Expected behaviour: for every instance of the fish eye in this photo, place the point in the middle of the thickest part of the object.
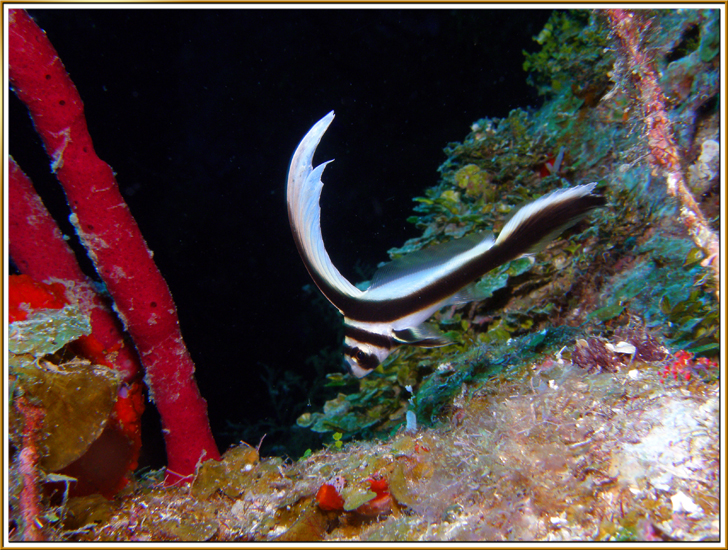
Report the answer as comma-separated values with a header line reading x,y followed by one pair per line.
x,y
358,361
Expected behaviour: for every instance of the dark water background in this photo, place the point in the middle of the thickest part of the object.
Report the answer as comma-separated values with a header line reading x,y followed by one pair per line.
x,y
199,111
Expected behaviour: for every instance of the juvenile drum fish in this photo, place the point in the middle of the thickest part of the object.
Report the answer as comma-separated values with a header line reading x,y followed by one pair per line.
x,y
404,293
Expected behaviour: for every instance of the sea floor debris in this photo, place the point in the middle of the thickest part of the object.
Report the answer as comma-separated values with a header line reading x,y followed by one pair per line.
x,y
551,452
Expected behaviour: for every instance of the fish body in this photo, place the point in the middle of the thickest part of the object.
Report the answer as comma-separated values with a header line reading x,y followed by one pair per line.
x,y
404,293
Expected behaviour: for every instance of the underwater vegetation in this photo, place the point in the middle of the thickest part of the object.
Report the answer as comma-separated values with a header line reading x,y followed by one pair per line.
x,y
548,452
631,264
580,400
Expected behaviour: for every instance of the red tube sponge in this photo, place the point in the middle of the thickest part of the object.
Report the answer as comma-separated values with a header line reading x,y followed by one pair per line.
x,y
114,243
38,249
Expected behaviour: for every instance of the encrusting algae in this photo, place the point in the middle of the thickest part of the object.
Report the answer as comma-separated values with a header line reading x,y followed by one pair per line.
x,y
546,452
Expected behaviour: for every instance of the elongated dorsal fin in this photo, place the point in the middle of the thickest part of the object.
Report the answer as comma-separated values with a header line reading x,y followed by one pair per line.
x,y
304,214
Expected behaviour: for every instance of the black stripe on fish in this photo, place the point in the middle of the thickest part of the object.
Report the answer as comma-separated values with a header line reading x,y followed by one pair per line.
x,y
367,337
522,240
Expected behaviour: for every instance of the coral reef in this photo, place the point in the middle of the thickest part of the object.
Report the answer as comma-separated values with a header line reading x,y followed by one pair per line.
x,y
630,267
580,399
664,153
544,452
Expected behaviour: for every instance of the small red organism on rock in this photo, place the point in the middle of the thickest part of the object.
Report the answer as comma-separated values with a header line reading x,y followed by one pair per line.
x,y
382,503
678,367
329,497
683,366
419,448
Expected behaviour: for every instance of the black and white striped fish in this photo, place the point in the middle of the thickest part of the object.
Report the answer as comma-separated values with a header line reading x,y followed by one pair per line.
x,y
404,293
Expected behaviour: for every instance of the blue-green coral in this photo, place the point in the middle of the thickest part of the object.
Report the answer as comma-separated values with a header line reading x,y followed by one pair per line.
x,y
574,55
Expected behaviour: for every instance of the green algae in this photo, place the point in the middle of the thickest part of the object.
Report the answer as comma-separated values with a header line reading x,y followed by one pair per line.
x,y
77,396
667,287
710,37
231,475
45,332
86,510
574,55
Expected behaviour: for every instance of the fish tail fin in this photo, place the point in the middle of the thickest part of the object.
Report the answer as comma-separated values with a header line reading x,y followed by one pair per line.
x,y
537,223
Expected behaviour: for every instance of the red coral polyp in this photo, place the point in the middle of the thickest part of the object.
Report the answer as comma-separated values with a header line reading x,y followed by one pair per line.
x,y
329,499
684,365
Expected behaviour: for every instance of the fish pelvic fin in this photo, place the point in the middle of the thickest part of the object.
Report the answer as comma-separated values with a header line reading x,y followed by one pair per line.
x,y
426,335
